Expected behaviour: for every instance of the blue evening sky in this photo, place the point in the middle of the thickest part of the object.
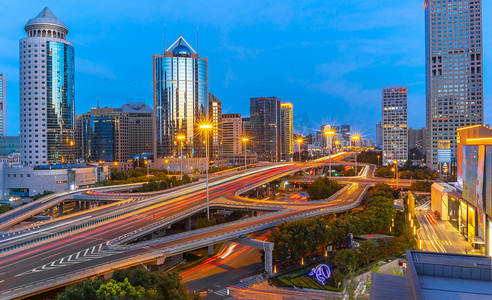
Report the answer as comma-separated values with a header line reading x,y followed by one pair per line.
x,y
329,58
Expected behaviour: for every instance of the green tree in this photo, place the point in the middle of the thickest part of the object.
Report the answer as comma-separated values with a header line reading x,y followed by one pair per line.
x,y
122,289
378,213
82,291
323,188
344,225
368,252
298,238
422,186
5,208
345,260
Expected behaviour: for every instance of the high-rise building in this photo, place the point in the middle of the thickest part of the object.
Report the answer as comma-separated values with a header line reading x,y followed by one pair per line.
x,y
115,134
394,124
265,128
47,94
287,130
453,70
345,129
247,127
180,99
3,105
215,136
379,135
232,133
416,142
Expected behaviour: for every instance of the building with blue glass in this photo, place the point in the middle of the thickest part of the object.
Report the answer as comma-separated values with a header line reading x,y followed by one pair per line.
x,y
114,134
180,100
46,92
266,128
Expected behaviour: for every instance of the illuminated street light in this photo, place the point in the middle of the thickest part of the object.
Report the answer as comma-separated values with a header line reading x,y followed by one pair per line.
x,y
205,127
378,160
355,138
245,141
330,133
396,172
146,162
299,142
180,139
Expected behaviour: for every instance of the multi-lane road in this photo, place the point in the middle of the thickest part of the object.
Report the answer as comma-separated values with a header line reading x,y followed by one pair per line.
x,y
81,248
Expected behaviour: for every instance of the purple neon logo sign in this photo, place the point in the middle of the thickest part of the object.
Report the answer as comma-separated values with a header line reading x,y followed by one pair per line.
x,y
321,272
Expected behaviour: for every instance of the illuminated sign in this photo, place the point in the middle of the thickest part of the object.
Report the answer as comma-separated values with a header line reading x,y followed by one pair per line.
x,y
321,272
444,144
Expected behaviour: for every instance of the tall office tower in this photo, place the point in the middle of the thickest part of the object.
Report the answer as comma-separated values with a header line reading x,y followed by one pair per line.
x,y
46,92
345,129
379,135
394,124
180,99
287,130
247,127
215,116
232,133
416,139
115,134
3,105
453,70
265,128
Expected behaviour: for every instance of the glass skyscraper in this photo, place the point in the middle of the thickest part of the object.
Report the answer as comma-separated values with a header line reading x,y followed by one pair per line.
x,y
46,92
180,99
265,128
453,65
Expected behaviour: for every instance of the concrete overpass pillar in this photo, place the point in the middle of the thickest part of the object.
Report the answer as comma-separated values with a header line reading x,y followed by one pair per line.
x,y
267,247
211,250
257,193
60,209
188,224
87,205
268,190
76,206
51,212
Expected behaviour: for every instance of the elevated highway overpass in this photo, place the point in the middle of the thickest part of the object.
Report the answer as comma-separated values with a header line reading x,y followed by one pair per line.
x,y
99,248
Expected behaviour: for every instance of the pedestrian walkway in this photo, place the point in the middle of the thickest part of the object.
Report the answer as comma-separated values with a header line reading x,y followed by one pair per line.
x,y
240,285
263,291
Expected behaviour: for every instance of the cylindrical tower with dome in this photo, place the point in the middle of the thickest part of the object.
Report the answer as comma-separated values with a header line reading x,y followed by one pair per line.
x,y
47,92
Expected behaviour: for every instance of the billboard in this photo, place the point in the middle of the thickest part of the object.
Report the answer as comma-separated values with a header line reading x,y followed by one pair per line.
x,y
479,191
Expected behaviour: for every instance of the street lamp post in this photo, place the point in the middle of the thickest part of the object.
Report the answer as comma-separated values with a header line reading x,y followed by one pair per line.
x,y
180,138
205,127
396,173
245,140
299,142
355,138
147,164
330,133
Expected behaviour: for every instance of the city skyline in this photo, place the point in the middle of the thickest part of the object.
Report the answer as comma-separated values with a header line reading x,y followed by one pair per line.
x,y
320,78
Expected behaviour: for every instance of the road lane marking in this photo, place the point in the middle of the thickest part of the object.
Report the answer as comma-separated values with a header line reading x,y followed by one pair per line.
x,y
91,253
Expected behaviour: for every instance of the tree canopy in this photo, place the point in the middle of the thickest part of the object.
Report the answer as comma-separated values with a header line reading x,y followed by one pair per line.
x,y
323,188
